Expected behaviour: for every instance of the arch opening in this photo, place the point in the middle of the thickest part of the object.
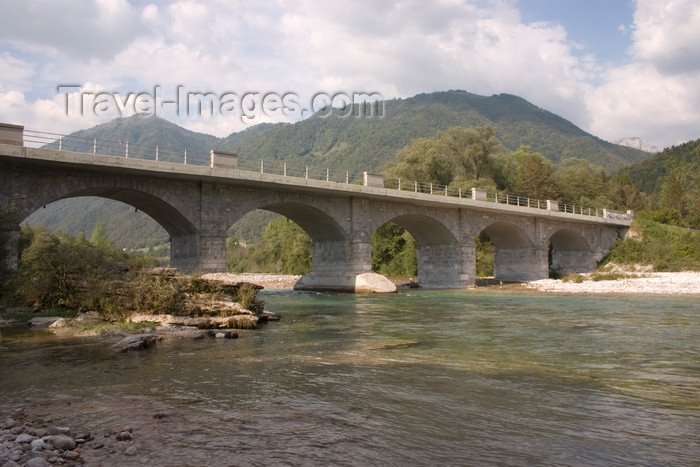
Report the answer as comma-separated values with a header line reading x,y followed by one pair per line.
x,y
418,246
132,217
569,253
515,257
285,238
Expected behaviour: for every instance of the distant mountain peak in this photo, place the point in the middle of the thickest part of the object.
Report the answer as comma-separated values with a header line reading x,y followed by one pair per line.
x,y
637,143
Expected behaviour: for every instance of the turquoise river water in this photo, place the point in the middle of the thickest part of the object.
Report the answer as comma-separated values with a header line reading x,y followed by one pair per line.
x,y
416,378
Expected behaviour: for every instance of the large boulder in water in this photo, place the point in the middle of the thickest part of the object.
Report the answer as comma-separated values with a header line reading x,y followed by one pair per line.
x,y
135,342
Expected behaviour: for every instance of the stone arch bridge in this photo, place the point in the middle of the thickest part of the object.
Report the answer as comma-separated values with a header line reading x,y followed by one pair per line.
x,y
197,204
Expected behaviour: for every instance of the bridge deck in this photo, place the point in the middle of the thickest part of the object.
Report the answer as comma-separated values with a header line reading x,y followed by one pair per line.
x,y
163,169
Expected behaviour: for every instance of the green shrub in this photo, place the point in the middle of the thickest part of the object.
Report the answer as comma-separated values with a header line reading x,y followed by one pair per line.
x,y
666,248
575,278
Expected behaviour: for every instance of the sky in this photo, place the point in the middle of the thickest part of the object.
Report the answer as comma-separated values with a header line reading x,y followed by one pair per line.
x,y
615,68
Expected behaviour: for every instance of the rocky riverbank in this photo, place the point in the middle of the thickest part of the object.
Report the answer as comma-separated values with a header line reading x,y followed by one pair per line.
x,y
628,282
37,442
637,283
267,281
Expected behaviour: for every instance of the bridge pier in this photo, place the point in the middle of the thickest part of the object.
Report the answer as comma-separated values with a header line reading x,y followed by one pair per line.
x,y
344,266
575,261
195,253
10,239
446,266
520,264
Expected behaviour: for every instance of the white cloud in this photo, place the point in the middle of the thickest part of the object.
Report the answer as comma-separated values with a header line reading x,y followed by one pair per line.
x,y
395,48
15,73
639,100
667,34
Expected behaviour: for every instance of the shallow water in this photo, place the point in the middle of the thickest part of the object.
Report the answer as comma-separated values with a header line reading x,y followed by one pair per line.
x,y
417,378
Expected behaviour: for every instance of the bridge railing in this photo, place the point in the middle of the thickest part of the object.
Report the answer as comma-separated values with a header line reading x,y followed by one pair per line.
x,y
273,167
114,148
200,157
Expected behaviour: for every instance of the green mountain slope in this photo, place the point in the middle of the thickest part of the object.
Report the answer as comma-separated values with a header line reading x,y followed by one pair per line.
x,y
649,175
359,144
342,143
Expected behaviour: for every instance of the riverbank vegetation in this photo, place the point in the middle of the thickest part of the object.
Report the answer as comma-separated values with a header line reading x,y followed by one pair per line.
x,y
69,275
667,248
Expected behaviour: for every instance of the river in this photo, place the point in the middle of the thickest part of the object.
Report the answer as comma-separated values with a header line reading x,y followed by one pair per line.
x,y
416,378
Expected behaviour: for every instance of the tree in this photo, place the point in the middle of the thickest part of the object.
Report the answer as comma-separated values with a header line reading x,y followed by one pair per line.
x,y
99,235
579,181
425,160
534,176
623,193
284,249
393,251
673,194
471,148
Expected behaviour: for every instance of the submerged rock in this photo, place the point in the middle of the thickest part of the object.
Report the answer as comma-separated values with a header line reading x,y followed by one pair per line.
x,y
135,342
44,322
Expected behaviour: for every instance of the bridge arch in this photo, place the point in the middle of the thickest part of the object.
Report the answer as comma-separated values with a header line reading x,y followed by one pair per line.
x,y
321,227
184,236
570,252
330,243
516,257
438,257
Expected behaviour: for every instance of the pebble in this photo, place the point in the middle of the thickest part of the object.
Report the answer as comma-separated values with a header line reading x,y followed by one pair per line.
x,y
37,445
37,462
62,442
29,443
125,436
72,455
24,438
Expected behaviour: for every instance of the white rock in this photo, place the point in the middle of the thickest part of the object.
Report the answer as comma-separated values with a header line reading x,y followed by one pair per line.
x,y
37,445
62,442
24,438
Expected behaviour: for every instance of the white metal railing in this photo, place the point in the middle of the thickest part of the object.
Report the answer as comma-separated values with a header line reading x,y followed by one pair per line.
x,y
33,138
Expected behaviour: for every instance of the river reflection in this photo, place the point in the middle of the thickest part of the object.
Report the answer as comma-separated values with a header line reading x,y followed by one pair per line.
x,y
417,378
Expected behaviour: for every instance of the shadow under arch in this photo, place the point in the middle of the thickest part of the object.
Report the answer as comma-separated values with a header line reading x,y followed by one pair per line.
x,y
570,253
438,253
515,257
320,226
184,235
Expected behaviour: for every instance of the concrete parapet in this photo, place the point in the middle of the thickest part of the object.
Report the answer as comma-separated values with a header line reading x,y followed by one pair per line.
x,y
552,205
612,214
223,160
374,180
11,134
479,194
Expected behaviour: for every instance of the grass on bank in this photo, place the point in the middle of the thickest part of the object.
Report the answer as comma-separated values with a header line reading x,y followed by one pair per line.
x,y
665,247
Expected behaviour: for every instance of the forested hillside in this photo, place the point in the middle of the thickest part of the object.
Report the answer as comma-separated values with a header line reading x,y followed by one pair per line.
x,y
671,181
357,144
